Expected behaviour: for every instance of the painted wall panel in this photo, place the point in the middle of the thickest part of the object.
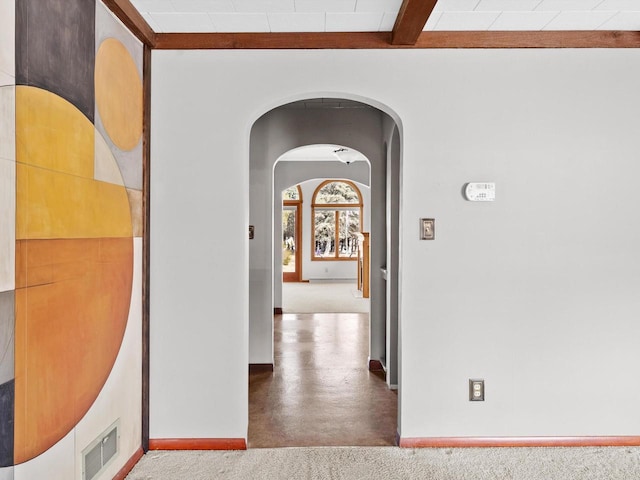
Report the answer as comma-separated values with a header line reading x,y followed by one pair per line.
x,y
7,401
66,27
7,40
8,122
7,233
7,224
120,398
128,66
75,251
557,306
7,186
7,335
57,463
71,312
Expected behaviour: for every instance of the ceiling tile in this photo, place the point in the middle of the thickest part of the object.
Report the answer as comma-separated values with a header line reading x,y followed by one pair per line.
x,y
152,22
183,22
622,21
455,5
388,21
296,22
378,5
579,20
626,5
523,20
506,5
432,22
153,5
203,6
563,5
466,20
240,22
264,6
322,6
353,22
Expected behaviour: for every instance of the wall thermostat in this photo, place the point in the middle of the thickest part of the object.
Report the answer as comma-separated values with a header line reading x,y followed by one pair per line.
x,y
480,192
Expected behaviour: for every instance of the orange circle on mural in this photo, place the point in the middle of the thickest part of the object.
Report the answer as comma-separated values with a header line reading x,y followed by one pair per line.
x,y
74,271
119,94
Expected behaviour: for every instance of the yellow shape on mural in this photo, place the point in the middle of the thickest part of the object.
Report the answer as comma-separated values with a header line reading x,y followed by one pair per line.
x,y
57,196
118,94
52,133
56,205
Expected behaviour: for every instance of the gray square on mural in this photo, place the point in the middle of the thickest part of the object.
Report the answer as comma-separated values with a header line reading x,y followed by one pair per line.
x,y
7,331
66,27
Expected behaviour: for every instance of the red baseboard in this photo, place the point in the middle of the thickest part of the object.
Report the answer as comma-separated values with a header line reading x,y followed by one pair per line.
x,y
198,444
260,367
376,366
461,442
124,471
277,310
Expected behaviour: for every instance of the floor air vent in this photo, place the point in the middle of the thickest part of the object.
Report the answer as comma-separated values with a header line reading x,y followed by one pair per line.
x,y
99,453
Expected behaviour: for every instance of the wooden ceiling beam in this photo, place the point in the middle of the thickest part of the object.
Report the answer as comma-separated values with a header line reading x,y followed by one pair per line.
x,y
382,40
304,40
530,39
411,19
129,15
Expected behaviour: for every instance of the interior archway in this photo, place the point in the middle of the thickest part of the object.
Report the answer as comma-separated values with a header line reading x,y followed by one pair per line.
x,y
333,122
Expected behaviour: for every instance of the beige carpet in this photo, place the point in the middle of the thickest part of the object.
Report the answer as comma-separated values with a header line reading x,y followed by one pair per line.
x,y
323,297
392,463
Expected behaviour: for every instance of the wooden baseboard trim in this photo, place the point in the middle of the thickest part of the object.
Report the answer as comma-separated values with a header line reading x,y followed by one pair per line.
x,y
124,471
461,442
376,366
197,444
260,367
277,310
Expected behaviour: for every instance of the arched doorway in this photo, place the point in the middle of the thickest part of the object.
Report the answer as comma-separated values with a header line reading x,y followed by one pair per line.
x,y
319,121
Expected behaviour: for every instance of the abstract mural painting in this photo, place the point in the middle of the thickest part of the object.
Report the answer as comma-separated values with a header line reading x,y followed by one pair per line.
x,y
78,208
7,235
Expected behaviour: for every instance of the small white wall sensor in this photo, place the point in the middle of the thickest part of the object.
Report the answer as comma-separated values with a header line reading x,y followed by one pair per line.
x,y
480,191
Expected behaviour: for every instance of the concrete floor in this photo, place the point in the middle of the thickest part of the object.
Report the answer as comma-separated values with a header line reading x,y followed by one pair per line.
x,y
321,392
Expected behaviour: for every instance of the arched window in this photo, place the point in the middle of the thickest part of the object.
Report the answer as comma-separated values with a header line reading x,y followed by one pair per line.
x,y
336,213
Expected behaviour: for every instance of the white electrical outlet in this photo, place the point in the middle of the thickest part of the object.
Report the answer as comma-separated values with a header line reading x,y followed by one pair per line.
x,y
476,390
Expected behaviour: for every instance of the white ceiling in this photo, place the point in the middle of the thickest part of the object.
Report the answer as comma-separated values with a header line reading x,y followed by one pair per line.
x,y
235,16
321,153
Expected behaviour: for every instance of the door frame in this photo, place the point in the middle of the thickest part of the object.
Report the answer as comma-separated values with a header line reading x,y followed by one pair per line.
x,y
297,206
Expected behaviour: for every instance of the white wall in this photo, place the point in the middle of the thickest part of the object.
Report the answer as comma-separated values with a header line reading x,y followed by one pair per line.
x,y
536,293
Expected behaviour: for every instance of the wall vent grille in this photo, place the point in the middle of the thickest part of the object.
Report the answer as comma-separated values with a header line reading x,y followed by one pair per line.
x,y
97,456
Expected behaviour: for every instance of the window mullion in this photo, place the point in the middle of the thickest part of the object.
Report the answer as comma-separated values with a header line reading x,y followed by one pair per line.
x,y
336,234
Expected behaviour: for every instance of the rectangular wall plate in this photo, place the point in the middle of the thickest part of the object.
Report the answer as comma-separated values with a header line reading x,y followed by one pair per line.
x,y
476,390
427,229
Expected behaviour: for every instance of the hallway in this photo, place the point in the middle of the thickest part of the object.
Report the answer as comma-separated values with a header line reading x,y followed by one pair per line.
x,y
320,392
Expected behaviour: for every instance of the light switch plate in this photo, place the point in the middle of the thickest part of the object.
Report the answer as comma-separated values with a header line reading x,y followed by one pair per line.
x,y
427,229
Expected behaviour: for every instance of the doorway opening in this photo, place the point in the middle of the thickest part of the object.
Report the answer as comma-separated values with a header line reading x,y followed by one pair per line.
x,y
313,373
327,242
291,234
